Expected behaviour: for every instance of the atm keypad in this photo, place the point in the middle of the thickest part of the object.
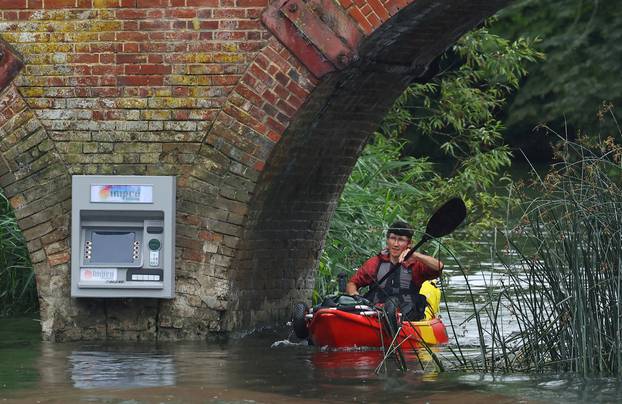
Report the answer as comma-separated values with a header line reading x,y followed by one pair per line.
x,y
141,277
145,275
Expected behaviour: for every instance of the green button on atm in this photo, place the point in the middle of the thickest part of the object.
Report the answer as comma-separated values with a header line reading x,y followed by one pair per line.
x,y
154,244
154,252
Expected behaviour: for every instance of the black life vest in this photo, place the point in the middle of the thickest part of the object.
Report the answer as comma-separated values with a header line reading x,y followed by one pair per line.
x,y
399,283
412,304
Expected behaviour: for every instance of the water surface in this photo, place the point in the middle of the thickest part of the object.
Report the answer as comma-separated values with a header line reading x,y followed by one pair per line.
x,y
261,368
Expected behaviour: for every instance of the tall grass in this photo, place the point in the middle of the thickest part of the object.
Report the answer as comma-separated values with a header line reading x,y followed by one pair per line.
x,y
18,294
564,292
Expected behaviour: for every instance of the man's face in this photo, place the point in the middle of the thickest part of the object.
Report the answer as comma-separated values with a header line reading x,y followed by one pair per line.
x,y
396,244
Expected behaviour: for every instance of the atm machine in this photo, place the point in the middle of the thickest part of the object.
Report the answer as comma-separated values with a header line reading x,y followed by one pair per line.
x,y
123,236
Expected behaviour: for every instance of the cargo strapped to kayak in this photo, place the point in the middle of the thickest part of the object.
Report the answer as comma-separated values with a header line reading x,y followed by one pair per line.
x,y
346,303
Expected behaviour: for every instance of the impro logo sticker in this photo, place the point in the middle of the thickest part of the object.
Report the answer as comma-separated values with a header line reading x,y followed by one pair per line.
x,y
110,193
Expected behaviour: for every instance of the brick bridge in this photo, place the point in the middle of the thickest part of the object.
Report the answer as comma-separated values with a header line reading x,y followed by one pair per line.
x,y
260,110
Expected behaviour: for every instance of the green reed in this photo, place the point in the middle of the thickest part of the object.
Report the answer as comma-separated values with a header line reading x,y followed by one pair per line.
x,y
18,293
564,287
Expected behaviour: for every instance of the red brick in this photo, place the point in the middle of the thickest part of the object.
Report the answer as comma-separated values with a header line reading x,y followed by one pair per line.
x,y
132,36
59,258
153,47
374,20
181,13
59,3
154,25
261,75
379,9
296,89
393,6
86,81
259,165
130,58
151,3
155,59
249,24
251,46
229,13
270,97
275,137
107,58
252,3
281,91
277,126
249,95
360,19
102,47
141,80
13,4
210,236
35,4
131,47
223,80
193,255
230,35
176,36
253,13
209,24
147,69
345,3
181,115
131,14
295,101
286,108
202,3
85,58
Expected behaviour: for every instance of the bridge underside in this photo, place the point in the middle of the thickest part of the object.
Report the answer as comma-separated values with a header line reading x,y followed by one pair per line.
x,y
261,154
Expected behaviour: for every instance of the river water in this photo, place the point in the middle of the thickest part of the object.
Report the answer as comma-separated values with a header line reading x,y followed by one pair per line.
x,y
266,367
261,368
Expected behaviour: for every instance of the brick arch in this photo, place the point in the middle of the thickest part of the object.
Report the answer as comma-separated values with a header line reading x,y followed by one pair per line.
x,y
260,122
298,191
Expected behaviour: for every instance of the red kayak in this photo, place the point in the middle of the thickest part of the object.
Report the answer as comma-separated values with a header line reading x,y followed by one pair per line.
x,y
334,328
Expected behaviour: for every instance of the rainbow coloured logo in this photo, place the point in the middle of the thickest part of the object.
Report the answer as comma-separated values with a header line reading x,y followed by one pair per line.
x,y
104,192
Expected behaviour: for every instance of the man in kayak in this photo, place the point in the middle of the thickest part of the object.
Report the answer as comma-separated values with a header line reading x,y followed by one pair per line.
x,y
388,276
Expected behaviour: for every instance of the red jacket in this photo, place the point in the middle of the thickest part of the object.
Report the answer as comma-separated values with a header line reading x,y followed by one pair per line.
x,y
366,274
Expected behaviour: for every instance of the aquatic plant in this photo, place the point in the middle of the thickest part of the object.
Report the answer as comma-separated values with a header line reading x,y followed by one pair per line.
x,y
18,294
564,288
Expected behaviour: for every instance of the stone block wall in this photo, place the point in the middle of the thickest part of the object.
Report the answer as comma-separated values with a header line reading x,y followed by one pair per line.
x,y
254,113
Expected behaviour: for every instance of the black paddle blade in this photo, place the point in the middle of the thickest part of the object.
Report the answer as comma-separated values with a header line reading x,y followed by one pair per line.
x,y
446,218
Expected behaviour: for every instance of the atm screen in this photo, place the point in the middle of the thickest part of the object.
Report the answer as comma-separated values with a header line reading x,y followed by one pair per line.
x,y
112,247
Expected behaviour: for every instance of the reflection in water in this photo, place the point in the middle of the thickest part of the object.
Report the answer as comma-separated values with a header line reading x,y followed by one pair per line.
x,y
99,369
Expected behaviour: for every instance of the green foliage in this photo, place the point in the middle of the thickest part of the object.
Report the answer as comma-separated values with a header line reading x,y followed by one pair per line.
x,y
456,111
582,41
18,293
565,292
